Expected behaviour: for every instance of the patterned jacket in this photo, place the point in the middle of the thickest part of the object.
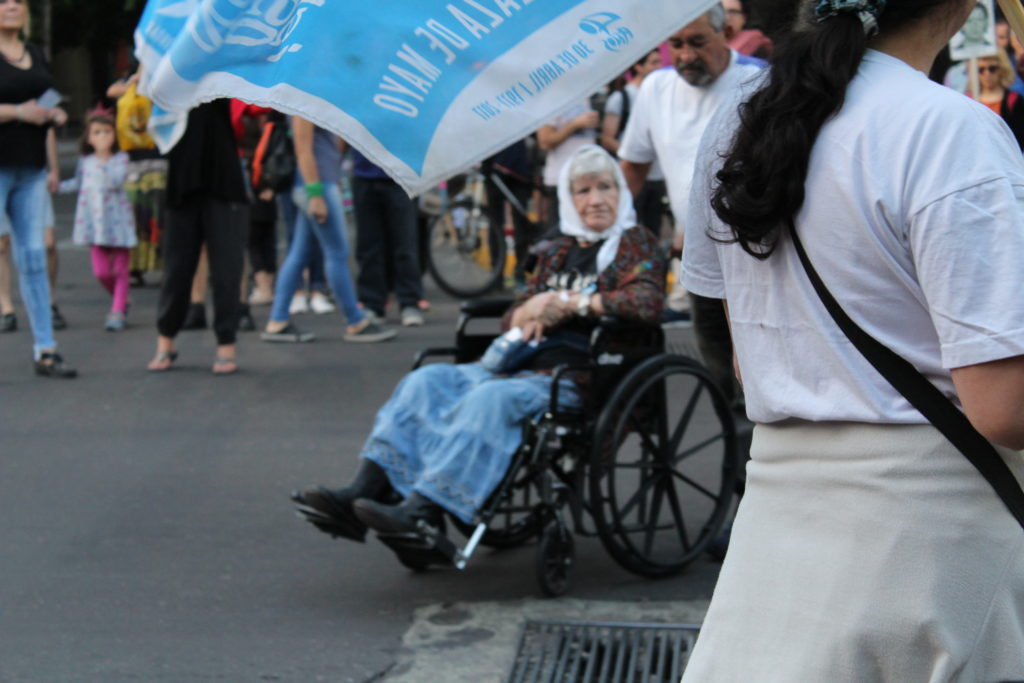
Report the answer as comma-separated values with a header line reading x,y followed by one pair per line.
x,y
632,287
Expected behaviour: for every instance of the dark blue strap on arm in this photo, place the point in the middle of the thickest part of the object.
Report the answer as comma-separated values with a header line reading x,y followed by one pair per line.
x,y
923,395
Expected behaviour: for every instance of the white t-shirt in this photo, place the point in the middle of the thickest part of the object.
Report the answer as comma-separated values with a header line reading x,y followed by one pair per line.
x,y
914,218
668,120
560,155
614,106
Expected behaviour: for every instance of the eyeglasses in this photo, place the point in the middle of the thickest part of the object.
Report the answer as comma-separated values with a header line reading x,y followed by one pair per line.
x,y
993,69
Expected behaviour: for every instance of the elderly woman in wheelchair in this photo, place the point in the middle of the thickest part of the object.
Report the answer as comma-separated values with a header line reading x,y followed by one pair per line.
x,y
446,437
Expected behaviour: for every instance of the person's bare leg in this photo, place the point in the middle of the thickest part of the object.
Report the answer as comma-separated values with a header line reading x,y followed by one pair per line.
x,y
6,302
201,279
264,285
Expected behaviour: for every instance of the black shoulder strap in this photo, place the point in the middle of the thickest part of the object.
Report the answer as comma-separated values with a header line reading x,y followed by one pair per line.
x,y
923,395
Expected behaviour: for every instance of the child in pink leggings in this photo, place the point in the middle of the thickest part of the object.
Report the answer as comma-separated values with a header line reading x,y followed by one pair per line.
x,y
103,215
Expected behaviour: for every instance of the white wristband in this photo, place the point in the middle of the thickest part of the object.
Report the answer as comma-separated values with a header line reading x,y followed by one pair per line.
x,y
583,305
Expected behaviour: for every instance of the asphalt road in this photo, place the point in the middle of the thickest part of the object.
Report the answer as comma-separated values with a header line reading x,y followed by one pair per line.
x,y
147,533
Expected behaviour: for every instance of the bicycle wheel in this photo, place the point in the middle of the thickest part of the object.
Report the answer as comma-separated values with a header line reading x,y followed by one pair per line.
x,y
465,253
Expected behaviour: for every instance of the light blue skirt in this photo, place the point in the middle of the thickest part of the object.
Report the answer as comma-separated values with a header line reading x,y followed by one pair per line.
x,y
449,432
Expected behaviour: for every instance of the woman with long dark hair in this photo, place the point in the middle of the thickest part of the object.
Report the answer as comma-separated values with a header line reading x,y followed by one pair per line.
x,y
867,547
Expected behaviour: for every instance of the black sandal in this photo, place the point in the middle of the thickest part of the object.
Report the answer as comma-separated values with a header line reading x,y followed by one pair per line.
x,y
161,357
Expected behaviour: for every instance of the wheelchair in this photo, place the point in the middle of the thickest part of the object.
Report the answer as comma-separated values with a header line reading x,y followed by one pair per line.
x,y
633,465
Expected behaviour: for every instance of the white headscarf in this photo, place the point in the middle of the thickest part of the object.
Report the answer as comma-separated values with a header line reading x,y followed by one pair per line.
x,y
571,224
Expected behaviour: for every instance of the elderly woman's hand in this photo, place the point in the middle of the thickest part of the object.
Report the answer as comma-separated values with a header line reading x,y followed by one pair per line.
x,y
555,310
531,309
533,329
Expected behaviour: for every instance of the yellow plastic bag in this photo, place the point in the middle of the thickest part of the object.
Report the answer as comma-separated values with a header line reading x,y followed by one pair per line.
x,y
133,112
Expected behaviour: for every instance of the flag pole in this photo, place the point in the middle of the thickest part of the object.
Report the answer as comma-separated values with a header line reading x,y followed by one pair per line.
x,y
1014,14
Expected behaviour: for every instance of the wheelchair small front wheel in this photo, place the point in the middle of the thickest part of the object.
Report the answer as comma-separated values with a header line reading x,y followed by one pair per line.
x,y
663,466
555,556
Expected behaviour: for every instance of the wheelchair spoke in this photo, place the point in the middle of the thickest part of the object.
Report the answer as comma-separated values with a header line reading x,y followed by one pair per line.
x,y
662,402
677,514
693,449
684,419
659,494
645,437
624,511
695,485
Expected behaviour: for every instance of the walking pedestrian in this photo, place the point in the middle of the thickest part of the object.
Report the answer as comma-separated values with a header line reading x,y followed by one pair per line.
x,y
321,219
672,110
25,126
867,547
146,182
103,214
207,203
387,243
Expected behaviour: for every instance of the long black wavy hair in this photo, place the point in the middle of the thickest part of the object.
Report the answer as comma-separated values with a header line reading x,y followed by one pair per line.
x,y
760,187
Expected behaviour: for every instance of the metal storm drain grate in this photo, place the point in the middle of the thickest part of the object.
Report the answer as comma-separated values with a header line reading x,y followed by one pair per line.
x,y
595,652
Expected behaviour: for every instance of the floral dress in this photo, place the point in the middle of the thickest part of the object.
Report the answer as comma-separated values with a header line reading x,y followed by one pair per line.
x,y
103,215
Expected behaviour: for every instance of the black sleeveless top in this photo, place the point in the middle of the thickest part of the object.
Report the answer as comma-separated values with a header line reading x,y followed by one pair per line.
x,y
24,144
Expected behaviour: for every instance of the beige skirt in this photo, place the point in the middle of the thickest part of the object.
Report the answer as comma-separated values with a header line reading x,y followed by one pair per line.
x,y
866,553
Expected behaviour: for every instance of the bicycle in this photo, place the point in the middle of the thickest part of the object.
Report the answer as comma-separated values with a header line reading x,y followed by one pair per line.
x,y
465,253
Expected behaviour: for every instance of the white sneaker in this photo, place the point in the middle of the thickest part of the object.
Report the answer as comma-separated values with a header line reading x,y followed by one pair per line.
x,y
258,298
298,304
320,304
411,317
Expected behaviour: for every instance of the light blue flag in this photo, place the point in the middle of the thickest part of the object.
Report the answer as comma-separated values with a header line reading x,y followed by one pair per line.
x,y
423,88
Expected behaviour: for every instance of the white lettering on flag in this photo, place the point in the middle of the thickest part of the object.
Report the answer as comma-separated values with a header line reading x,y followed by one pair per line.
x,y
424,88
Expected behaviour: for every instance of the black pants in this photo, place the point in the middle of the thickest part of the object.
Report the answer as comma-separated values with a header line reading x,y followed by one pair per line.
x,y
263,237
715,344
650,205
387,242
524,231
223,227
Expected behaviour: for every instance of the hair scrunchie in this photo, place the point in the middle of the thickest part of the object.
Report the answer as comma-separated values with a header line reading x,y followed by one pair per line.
x,y
867,10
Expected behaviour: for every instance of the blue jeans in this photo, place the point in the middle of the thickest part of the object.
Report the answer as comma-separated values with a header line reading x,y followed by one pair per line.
x,y
315,255
449,432
330,235
23,196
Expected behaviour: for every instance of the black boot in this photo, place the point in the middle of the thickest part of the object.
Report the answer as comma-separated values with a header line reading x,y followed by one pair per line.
x,y
330,510
399,519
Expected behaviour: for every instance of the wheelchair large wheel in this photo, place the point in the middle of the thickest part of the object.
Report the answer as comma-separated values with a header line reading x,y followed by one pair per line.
x,y
663,466
465,254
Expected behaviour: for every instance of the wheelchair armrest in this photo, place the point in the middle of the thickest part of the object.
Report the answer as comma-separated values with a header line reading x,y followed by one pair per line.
x,y
613,324
434,351
556,379
486,308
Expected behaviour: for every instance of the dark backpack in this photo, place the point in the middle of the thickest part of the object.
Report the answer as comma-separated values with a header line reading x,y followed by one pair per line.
x,y
273,162
624,118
